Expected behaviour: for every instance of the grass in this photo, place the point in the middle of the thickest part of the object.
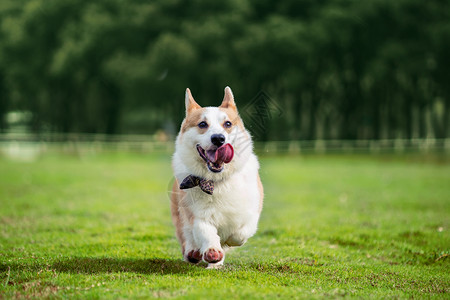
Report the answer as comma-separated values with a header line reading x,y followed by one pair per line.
x,y
332,226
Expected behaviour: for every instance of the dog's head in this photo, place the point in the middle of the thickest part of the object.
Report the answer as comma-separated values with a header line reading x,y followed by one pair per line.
x,y
213,141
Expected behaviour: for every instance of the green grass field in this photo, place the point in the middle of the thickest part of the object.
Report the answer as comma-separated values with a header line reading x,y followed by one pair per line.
x,y
332,226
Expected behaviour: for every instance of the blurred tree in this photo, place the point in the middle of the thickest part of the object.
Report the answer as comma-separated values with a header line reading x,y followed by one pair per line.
x,y
338,69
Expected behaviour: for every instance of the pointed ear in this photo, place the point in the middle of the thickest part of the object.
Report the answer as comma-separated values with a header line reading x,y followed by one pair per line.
x,y
228,99
190,102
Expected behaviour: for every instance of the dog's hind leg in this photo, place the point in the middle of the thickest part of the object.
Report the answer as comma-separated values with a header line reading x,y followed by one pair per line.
x,y
175,198
240,236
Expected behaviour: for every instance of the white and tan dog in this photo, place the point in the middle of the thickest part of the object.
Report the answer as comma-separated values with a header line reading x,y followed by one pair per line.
x,y
217,195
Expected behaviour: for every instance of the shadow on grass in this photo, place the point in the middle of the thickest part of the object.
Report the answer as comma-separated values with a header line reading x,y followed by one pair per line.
x,y
99,265
159,266
89,265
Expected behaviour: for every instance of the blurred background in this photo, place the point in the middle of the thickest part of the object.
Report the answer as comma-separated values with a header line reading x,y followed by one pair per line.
x,y
370,74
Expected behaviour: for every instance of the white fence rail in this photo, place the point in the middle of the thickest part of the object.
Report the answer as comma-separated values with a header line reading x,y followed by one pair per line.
x,y
355,146
28,146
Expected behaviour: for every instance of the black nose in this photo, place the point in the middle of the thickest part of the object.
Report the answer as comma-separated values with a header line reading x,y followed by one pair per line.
x,y
218,139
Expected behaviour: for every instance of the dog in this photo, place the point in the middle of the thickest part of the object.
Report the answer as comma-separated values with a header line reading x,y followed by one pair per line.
x,y
217,195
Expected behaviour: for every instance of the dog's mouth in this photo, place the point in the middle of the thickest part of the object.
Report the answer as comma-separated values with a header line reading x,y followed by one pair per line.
x,y
216,158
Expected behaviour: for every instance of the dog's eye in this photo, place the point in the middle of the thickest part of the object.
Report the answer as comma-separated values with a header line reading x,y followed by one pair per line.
x,y
202,124
227,124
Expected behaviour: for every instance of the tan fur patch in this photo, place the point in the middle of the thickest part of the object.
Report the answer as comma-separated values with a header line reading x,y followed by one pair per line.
x,y
261,192
233,117
192,120
180,213
176,197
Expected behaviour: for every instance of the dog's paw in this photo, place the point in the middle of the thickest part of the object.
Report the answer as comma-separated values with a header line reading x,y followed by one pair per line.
x,y
235,241
194,256
212,255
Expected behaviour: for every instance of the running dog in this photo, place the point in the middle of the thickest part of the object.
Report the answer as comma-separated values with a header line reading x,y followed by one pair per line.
x,y
217,195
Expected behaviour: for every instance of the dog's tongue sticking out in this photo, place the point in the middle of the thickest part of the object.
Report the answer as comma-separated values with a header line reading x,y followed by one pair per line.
x,y
225,153
222,154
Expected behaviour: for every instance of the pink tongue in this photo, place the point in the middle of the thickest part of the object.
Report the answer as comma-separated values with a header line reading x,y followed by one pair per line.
x,y
224,154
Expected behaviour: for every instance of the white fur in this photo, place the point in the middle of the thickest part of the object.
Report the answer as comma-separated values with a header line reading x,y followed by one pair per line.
x,y
230,216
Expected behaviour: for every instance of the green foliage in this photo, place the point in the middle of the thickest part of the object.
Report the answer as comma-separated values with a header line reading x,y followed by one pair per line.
x,y
340,69
332,226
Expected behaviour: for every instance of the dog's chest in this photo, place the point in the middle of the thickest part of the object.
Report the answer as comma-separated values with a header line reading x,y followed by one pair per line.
x,y
231,205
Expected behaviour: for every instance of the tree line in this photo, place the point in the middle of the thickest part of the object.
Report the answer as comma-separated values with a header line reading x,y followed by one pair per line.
x,y
308,69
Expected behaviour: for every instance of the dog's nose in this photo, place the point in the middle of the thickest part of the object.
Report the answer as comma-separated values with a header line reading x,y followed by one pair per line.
x,y
218,139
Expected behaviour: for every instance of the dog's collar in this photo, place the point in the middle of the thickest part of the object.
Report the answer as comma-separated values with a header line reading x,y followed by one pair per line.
x,y
191,181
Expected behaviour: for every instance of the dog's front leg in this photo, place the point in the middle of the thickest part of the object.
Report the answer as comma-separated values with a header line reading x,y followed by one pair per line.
x,y
205,235
192,252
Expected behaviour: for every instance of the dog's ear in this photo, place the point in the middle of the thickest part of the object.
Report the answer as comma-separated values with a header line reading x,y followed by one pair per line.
x,y
190,102
228,99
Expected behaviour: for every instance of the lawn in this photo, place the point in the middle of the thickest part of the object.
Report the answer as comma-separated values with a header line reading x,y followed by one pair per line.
x,y
98,226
